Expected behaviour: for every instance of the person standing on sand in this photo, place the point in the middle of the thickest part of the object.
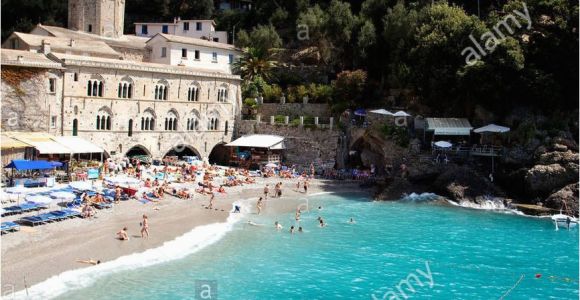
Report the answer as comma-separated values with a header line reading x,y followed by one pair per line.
x,y
145,227
266,191
298,186
211,200
259,205
305,187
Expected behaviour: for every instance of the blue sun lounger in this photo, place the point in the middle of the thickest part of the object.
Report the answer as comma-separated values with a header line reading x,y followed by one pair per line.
x,y
65,213
24,207
33,220
9,226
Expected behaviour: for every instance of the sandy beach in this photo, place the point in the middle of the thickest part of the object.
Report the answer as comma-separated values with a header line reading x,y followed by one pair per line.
x,y
36,253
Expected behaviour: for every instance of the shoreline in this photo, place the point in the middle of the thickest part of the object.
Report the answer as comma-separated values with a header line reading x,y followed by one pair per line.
x,y
44,252
52,250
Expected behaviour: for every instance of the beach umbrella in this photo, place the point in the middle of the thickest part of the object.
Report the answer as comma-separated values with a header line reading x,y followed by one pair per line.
x,y
381,111
63,195
81,185
360,112
401,113
18,190
271,165
443,144
492,128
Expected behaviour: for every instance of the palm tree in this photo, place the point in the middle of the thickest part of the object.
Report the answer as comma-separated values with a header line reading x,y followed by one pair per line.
x,y
254,63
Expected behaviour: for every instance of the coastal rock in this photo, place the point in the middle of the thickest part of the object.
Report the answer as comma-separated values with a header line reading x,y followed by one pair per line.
x,y
397,187
560,148
461,183
567,195
423,171
558,157
518,155
545,178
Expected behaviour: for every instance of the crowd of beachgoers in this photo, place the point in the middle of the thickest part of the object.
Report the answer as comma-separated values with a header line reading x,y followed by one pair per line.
x,y
130,179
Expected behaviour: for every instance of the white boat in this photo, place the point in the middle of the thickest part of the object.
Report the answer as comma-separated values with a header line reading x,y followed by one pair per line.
x,y
564,221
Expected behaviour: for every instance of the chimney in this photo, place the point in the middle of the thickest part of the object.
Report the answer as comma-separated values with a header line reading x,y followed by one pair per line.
x,y
72,43
45,47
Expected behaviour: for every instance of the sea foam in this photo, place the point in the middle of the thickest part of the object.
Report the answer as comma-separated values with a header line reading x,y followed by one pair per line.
x,y
187,244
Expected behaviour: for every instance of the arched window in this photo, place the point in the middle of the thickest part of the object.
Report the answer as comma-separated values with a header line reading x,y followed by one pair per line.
x,y
130,128
222,94
213,120
193,92
161,90
75,128
148,120
171,121
104,121
125,88
226,128
95,86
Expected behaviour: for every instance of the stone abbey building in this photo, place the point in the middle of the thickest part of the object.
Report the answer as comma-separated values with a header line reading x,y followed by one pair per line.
x,y
128,94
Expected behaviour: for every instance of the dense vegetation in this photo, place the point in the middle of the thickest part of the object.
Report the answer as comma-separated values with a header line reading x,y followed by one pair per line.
x,y
409,53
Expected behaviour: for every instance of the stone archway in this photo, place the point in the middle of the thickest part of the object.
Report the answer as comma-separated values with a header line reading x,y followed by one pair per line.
x,y
137,150
220,154
182,150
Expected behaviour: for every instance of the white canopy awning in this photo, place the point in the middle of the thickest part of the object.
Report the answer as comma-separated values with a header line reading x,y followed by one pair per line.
x,y
381,111
78,145
449,126
50,147
274,142
492,128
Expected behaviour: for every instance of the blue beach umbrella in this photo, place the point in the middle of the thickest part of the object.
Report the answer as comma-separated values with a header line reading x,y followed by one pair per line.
x,y
360,112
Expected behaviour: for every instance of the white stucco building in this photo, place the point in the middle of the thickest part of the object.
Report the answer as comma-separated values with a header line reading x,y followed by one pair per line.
x,y
199,29
120,92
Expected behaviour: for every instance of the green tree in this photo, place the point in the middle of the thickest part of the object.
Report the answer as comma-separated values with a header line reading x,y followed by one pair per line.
x,y
348,88
254,63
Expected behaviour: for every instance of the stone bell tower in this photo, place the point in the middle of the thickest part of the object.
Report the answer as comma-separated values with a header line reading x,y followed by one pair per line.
x,y
100,17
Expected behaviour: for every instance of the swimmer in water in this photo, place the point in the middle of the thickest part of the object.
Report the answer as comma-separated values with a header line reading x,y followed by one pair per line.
x,y
254,224
320,208
278,225
322,224
300,229
351,221
292,229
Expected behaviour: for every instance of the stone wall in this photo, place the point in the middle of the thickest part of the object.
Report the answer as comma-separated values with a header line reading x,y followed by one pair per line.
x,y
303,145
27,102
294,109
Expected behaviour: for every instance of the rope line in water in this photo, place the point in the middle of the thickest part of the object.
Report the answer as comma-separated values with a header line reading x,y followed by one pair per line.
x,y
513,287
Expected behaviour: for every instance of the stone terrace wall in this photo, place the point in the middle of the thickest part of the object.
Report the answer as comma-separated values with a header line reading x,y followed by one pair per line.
x,y
294,109
303,145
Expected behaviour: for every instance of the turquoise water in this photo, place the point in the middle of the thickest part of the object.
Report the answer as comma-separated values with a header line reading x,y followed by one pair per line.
x,y
469,254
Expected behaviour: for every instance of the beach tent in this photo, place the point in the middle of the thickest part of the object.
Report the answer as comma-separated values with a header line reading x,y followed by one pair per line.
x,y
273,142
492,128
381,111
21,165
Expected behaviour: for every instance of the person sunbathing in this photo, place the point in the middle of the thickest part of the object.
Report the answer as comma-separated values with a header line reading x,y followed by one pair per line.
x,y
89,261
221,189
87,211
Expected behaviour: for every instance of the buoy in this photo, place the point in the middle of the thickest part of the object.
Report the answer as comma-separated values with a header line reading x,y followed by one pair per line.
x,y
538,275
